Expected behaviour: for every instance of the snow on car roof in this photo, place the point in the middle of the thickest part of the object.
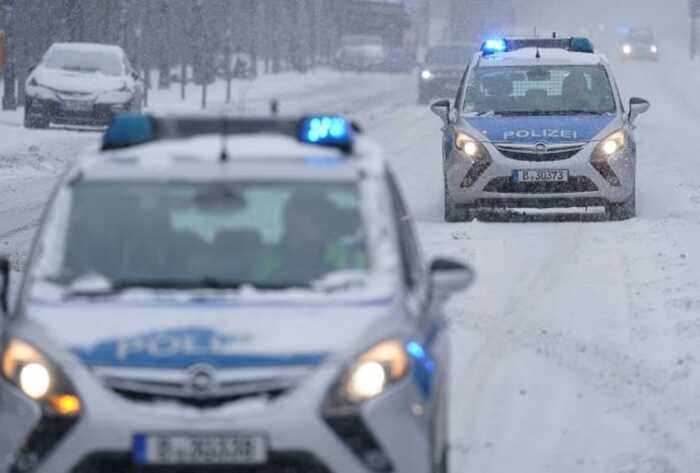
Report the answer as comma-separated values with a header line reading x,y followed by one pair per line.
x,y
262,155
89,47
548,56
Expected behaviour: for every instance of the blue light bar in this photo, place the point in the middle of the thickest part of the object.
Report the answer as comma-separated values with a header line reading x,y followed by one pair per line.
x,y
128,129
326,130
494,45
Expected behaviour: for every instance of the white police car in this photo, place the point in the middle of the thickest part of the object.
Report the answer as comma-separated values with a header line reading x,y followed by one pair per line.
x,y
539,123
246,295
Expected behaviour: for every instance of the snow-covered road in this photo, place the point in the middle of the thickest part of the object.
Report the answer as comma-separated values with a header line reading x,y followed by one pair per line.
x,y
578,349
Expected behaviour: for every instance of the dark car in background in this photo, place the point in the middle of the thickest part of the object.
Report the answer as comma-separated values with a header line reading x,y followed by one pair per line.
x,y
442,70
640,44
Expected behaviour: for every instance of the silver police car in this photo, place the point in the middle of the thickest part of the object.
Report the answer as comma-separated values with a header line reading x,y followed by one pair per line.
x,y
241,295
539,124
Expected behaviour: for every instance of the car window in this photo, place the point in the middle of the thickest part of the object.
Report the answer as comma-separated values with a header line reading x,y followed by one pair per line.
x,y
286,234
66,59
540,89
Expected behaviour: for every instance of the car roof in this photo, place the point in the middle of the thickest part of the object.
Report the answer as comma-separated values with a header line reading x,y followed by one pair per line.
x,y
259,157
89,47
548,57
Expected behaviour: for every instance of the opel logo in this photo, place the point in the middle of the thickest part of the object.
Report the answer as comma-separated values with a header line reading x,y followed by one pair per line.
x,y
541,148
202,380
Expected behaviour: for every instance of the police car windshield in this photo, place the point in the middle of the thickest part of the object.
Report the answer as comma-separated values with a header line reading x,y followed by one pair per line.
x,y
539,90
107,63
207,235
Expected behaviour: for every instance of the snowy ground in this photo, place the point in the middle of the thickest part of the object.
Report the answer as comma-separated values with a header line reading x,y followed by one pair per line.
x,y
578,348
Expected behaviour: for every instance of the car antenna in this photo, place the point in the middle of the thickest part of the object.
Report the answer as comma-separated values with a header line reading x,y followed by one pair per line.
x,y
537,54
224,156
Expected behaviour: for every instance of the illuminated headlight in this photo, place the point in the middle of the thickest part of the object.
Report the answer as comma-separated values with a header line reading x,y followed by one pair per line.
x,y
426,74
39,379
627,49
653,49
467,145
370,375
612,144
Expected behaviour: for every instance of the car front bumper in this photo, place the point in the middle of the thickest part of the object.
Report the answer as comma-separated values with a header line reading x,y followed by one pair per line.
x,y
55,111
493,186
300,437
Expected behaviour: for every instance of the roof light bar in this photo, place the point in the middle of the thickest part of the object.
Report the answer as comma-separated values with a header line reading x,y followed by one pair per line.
x,y
127,130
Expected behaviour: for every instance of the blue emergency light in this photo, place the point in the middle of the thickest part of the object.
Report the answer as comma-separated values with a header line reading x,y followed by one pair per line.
x,y
494,45
128,129
327,130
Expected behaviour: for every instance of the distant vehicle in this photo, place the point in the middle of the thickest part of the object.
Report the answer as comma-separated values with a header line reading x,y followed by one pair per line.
x,y
399,61
361,53
640,44
261,308
539,124
442,70
81,84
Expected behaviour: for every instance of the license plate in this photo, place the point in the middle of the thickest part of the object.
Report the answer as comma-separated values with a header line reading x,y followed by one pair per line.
x,y
541,175
75,106
185,449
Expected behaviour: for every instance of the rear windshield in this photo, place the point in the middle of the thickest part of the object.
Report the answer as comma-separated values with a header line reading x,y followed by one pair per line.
x,y
107,63
535,90
190,234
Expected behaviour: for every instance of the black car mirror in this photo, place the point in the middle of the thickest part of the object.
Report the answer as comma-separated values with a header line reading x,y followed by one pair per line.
x,y
448,276
441,108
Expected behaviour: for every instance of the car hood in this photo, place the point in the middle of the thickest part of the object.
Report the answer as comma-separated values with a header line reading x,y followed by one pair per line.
x,y
221,335
545,129
74,81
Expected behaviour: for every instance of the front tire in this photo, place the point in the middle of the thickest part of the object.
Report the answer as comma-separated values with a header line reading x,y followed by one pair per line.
x,y
35,123
623,211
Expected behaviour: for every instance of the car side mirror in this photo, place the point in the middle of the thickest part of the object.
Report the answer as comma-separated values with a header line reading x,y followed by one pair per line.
x,y
32,67
448,276
441,108
4,286
637,107
135,75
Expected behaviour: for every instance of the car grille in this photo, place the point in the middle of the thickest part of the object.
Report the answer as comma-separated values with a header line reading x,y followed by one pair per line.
x,y
531,153
505,185
278,462
142,390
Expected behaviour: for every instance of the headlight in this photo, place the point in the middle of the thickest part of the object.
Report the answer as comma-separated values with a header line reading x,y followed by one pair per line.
x,y
612,144
467,145
627,49
426,74
654,49
376,370
39,379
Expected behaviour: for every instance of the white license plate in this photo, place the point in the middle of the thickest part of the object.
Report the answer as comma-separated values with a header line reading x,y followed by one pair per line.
x,y
541,175
209,449
75,106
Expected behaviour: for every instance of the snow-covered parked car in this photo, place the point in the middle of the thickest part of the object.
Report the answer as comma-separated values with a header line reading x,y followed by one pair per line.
x,y
250,302
81,84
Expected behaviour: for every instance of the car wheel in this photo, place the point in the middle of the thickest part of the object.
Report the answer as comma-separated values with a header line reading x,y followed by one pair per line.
x,y
36,123
456,213
623,211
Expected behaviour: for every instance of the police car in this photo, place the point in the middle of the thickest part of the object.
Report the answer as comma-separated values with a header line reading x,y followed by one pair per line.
x,y
247,295
539,123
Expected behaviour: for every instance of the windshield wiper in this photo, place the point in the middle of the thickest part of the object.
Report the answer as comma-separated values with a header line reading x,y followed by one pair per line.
x,y
546,112
204,283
